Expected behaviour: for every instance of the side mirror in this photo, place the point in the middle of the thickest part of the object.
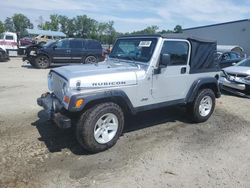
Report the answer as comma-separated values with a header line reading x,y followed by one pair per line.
x,y
234,64
165,60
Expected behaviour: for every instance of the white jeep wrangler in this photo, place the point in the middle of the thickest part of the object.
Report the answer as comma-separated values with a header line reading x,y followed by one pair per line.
x,y
142,73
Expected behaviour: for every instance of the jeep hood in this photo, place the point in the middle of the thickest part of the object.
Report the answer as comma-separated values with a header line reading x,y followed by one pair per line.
x,y
101,75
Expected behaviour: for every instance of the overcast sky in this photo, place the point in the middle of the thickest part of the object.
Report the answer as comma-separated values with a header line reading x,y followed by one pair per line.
x,y
130,15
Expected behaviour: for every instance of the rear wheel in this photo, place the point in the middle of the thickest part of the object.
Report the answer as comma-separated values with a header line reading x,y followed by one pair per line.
x,y
203,106
100,127
90,60
42,62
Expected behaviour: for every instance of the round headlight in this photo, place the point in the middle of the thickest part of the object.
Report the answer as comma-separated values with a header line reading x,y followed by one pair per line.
x,y
78,85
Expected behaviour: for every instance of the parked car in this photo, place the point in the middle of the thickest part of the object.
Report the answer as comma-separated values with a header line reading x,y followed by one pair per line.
x,y
26,41
236,79
142,73
228,59
66,51
3,55
42,38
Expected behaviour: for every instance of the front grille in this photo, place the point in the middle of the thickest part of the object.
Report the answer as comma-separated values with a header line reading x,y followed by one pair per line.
x,y
240,75
57,85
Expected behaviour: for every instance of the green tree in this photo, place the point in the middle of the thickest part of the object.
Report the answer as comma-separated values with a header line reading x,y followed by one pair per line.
x,y
148,30
67,25
85,27
71,28
165,31
54,22
40,22
21,23
52,25
111,32
2,29
178,29
46,26
63,21
9,25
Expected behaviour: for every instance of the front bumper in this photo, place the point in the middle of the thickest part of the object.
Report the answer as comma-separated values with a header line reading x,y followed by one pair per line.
x,y
54,110
234,87
29,58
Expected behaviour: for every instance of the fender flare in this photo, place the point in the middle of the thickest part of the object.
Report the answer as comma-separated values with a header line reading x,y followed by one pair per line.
x,y
207,82
117,96
45,54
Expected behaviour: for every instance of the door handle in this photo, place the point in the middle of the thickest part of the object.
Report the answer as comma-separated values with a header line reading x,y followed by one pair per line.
x,y
183,70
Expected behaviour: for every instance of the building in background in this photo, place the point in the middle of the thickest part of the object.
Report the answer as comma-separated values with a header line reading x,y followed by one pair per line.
x,y
236,33
53,34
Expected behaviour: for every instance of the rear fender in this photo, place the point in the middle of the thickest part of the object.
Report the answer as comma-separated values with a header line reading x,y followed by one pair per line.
x,y
202,83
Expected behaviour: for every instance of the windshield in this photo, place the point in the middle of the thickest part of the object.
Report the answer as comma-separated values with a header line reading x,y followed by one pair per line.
x,y
136,49
244,63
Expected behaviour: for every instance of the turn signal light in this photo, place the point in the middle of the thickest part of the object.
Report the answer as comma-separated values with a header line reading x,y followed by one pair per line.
x,y
66,99
79,103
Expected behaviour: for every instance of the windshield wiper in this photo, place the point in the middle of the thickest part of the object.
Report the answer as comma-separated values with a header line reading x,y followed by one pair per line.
x,y
132,61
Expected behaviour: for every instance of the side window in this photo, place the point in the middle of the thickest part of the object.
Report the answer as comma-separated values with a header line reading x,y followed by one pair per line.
x,y
75,44
234,56
178,51
62,44
9,37
94,45
225,56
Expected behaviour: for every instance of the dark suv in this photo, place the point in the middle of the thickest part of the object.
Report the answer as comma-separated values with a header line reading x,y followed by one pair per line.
x,y
66,51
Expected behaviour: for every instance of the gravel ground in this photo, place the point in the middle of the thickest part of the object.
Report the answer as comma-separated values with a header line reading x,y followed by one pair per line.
x,y
159,148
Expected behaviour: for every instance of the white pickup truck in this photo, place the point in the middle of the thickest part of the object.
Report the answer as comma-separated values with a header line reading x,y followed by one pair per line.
x,y
9,43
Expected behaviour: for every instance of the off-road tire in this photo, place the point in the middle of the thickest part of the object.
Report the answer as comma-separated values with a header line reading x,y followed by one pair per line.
x,y
193,109
86,125
42,62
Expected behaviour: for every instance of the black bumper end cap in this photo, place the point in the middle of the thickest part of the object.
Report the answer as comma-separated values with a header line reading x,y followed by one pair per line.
x,y
62,121
39,101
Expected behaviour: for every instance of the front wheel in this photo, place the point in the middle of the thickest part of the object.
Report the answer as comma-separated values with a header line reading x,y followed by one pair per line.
x,y
42,62
203,106
100,127
90,60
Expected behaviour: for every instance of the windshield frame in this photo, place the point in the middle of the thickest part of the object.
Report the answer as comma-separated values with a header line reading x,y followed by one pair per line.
x,y
126,57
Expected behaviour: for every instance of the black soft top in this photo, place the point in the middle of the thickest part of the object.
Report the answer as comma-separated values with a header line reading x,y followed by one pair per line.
x,y
170,36
203,51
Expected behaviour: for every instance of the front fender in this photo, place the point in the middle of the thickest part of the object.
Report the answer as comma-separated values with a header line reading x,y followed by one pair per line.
x,y
118,96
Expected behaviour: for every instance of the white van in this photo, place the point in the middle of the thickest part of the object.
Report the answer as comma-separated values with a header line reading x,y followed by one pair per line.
x,y
8,42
